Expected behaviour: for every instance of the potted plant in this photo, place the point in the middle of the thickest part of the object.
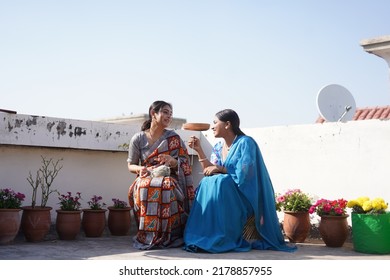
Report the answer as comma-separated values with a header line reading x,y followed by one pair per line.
x,y
68,222
119,217
10,202
94,218
333,225
36,219
296,223
370,225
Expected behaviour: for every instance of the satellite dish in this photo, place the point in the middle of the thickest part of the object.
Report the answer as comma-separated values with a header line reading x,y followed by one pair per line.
x,y
335,103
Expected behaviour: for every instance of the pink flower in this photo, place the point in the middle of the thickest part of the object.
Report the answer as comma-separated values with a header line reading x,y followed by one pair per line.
x,y
293,200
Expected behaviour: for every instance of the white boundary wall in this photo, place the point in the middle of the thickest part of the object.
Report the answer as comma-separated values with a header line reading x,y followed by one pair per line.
x,y
330,160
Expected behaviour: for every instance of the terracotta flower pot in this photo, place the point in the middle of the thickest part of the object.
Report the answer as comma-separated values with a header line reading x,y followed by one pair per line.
x,y
119,220
9,225
68,224
35,223
296,226
334,230
94,222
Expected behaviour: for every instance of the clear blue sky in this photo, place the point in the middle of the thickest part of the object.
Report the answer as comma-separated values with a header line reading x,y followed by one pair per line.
x,y
267,60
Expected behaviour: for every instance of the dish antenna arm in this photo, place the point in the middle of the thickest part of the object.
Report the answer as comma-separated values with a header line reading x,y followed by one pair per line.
x,y
347,108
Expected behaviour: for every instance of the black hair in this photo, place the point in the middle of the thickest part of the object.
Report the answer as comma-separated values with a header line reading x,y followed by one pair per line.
x,y
229,115
155,107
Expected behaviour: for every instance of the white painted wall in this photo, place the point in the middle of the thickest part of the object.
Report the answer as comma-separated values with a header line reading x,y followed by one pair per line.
x,y
89,172
330,160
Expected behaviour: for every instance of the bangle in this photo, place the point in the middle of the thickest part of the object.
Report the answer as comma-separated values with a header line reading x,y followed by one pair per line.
x,y
202,159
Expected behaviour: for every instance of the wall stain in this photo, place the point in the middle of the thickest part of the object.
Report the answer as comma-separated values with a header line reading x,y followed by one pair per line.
x,y
78,131
61,129
10,127
18,123
50,126
32,121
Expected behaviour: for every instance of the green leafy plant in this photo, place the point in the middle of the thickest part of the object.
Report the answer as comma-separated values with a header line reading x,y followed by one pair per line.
x,y
365,205
124,146
293,200
96,203
69,202
44,179
9,199
119,203
329,207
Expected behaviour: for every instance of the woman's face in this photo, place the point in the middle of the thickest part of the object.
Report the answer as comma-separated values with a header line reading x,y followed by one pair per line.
x,y
164,116
218,127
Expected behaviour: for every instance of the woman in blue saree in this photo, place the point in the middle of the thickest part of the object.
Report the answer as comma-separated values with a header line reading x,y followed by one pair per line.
x,y
161,194
236,186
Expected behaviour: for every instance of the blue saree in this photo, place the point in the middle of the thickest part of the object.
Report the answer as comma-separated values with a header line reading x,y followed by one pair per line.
x,y
223,203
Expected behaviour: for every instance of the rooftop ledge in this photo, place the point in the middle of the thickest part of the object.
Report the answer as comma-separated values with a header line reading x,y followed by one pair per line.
x,y
42,131
380,46
28,130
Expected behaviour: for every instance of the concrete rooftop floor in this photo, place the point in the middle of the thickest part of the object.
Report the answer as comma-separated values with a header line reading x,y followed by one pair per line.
x,y
110,247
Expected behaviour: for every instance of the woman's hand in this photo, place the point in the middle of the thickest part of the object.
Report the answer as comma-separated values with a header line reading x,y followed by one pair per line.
x,y
213,169
194,143
143,172
167,160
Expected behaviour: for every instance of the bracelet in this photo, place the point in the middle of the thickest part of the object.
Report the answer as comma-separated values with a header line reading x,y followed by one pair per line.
x,y
202,159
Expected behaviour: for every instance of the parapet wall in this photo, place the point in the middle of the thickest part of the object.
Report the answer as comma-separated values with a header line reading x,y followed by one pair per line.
x,y
330,160
26,130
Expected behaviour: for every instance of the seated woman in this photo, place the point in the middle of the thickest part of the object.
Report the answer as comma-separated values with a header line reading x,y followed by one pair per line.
x,y
162,193
236,186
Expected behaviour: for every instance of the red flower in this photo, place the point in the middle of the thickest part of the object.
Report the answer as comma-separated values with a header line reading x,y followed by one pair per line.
x,y
329,207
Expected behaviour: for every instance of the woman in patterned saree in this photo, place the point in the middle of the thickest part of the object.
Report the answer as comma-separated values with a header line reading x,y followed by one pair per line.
x,y
162,193
236,186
